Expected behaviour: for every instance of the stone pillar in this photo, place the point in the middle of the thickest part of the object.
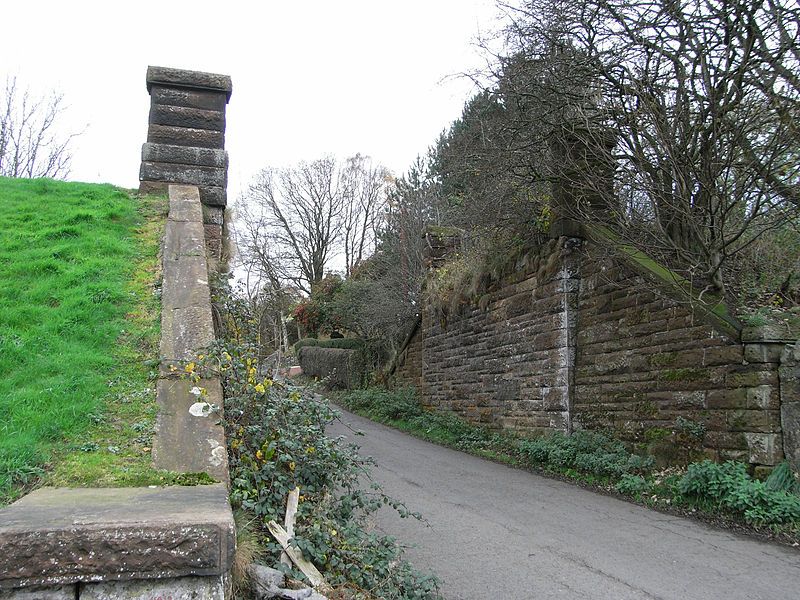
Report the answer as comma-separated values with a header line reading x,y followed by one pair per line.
x,y
789,373
186,141
441,244
582,164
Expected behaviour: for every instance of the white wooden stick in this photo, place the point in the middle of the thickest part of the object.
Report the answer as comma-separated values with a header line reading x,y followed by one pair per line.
x,y
291,512
309,570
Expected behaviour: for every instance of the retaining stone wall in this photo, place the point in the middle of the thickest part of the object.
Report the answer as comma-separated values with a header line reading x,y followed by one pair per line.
x,y
579,340
144,543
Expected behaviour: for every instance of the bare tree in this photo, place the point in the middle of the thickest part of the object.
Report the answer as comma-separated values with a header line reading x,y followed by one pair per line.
x,y
364,195
295,221
30,144
692,104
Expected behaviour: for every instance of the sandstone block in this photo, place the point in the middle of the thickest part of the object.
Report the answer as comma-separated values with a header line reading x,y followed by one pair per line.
x,y
181,116
763,353
764,448
36,592
58,536
158,188
213,235
185,136
189,434
184,204
185,155
205,99
213,215
213,196
183,78
183,174
790,425
183,588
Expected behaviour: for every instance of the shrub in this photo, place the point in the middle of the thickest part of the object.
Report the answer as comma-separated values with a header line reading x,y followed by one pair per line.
x,y
342,343
301,343
338,367
783,478
729,486
276,441
586,451
632,485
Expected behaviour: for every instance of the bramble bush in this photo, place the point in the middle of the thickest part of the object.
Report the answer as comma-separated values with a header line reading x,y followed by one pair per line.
x,y
276,441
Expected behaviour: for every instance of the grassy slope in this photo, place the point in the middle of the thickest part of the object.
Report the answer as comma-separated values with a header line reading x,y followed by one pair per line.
x,y
78,323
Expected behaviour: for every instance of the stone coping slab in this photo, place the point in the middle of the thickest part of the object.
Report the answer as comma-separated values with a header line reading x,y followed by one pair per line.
x,y
189,79
57,536
190,437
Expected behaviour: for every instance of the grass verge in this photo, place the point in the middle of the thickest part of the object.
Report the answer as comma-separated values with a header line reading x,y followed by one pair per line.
x,y
79,331
722,494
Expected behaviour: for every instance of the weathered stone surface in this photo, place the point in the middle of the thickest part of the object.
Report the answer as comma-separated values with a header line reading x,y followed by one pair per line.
x,y
184,331
641,358
183,174
213,196
790,423
181,116
57,536
213,215
214,240
763,353
60,592
764,333
184,204
764,448
189,434
207,99
185,155
183,78
185,273
158,188
790,402
186,319
183,588
185,136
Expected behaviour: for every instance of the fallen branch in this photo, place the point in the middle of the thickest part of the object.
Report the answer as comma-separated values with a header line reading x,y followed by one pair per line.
x,y
309,570
291,512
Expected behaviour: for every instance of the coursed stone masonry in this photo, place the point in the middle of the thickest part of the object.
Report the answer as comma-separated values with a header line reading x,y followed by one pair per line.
x,y
578,339
186,141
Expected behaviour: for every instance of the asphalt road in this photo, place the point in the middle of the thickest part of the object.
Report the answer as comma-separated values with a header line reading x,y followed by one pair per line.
x,y
498,532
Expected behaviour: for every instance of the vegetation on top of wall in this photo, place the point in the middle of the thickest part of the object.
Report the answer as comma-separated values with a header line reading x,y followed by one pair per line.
x,y
724,493
79,328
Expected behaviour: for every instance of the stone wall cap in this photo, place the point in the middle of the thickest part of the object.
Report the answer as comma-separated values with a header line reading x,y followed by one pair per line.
x,y
61,535
774,334
184,78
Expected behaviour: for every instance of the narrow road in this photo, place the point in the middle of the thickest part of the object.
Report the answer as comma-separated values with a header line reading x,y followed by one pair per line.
x,y
498,532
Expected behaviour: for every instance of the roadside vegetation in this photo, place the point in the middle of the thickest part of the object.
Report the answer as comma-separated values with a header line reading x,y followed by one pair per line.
x,y
79,328
705,489
276,441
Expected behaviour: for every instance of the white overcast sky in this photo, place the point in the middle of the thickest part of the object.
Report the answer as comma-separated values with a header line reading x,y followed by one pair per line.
x,y
309,77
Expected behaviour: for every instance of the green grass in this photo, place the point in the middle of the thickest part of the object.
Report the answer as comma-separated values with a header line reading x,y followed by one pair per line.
x,y
79,329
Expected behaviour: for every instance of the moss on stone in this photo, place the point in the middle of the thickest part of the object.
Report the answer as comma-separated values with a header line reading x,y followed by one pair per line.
x,y
663,359
716,309
687,374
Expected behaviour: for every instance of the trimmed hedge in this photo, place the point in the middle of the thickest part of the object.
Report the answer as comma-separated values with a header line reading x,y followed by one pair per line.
x,y
303,342
339,367
341,343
